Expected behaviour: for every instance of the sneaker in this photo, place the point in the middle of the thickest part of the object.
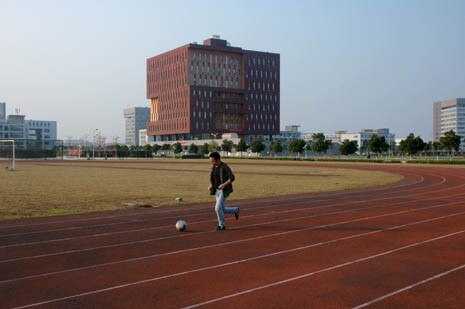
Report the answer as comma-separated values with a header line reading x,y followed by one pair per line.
x,y
220,228
236,214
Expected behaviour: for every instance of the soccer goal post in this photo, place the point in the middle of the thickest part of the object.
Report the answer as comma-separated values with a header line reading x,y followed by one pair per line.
x,y
7,153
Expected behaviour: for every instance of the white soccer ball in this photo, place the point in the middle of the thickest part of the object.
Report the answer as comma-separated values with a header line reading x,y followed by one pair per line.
x,y
181,225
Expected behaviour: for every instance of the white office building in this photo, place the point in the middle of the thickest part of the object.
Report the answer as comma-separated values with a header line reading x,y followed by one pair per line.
x,y
362,137
449,115
145,139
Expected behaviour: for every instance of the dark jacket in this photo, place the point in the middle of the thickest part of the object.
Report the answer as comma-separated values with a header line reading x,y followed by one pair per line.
x,y
225,175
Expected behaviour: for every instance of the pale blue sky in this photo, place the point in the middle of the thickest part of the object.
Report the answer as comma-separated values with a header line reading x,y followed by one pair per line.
x,y
345,65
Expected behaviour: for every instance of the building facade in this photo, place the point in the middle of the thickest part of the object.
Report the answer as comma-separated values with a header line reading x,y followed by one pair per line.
x,y
27,133
200,91
145,139
42,131
449,115
2,112
13,128
290,133
362,137
136,120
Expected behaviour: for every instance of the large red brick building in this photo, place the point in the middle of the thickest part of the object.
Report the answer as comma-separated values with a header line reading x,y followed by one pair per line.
x,y
199,91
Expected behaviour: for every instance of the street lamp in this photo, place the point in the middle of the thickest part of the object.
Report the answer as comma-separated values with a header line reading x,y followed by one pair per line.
x,y
93,143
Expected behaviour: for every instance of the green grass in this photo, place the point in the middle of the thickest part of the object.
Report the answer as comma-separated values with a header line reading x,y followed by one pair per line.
x,y
50,188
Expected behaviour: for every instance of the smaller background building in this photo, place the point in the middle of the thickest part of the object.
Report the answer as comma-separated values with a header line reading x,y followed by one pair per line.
x,y
449,115
136,120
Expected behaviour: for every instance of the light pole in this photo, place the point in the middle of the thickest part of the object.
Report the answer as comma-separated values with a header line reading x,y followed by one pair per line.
x,y
93,143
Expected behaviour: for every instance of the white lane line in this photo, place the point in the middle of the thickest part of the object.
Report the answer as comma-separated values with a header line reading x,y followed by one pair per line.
x,y
200,233
194,207
246,260
255,238
72,228
204,221
411,286
324,270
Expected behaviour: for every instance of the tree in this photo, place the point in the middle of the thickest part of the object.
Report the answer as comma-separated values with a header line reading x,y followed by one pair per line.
x,y
148,151
193,148
156,148
297,146
450,141
437,146
411,145
319,143
348,147
227,145
166,147
213,146
177,148
257,146
204,149
378,144
242,146
123,151
276,147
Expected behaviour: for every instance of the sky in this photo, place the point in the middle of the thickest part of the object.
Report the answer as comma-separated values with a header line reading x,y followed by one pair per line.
x,y
345,65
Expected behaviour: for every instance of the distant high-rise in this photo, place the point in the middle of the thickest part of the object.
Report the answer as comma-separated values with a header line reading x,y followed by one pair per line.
x,y
449,115
200,91
136,120
2,111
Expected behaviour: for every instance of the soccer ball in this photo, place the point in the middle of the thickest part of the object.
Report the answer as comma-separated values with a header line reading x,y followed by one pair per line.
x,y
181,225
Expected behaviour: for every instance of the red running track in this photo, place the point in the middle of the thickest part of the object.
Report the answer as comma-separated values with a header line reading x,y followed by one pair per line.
x,y
400,245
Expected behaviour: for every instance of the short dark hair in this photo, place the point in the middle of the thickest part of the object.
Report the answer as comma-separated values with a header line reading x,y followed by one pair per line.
x,y
215,155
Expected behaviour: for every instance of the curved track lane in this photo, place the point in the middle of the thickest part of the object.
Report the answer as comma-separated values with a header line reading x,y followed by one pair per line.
x,y
382,246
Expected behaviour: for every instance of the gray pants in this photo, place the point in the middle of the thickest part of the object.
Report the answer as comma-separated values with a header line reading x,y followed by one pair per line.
x,y
221,209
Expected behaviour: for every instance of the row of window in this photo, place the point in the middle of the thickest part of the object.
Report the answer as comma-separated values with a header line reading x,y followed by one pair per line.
x,y
216,69
262,107
210,79
167,73
262,61
174,95
262,74
215,83
262,117
262,127
173,115
202,105
169,59
167,85
198,57
199,115
262,97
170,126
261,86
202,126
172,106
40,124
205,93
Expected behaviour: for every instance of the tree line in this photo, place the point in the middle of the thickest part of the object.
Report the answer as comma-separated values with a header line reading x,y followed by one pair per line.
x,y
411,145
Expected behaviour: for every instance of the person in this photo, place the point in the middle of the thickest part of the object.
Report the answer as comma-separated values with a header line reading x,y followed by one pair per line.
x,y
221,179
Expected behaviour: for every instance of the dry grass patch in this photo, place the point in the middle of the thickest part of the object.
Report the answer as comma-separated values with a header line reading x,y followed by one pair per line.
x,y
77,187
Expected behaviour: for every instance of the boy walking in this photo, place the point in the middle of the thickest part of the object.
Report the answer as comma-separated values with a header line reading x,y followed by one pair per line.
x,y
221,178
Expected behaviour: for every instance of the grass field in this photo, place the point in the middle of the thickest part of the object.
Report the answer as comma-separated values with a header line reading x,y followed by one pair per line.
x,y
57,188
